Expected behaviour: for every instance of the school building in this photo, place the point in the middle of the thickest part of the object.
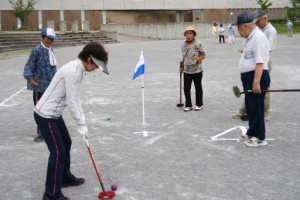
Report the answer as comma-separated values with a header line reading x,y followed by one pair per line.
x,y
96,13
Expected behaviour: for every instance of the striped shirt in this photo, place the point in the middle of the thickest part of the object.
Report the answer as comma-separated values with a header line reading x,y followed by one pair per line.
x,y
63,91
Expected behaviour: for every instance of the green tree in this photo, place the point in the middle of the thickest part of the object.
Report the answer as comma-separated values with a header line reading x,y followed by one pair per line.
x,y
264,4
293,12
23,9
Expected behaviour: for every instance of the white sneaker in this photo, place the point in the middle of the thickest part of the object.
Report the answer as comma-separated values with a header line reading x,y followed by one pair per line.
x,y
197,108
254,142
187,109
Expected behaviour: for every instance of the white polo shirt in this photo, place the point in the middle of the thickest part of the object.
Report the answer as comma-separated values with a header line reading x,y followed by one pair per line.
x,y
271,34
256,50
63,91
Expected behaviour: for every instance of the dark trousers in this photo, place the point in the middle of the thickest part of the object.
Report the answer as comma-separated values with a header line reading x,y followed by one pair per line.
x,y
36,97
221,37
58,140
255,104
188,79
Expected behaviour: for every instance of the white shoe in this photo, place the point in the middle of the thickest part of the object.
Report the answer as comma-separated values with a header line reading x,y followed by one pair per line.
x,y
254,142
187,109
197,108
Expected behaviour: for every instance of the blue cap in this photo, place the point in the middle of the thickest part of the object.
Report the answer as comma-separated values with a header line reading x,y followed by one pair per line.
x,y
48,32
243,18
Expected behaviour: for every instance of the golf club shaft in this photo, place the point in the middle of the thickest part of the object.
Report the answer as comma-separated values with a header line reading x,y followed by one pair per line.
x,y
284,90
180,87
94,163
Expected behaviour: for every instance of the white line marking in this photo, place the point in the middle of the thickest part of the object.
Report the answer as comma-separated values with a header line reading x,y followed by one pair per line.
x,y
12,96
242,128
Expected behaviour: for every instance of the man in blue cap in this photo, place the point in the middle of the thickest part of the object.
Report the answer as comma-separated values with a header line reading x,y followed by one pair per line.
x,y
40,68
253,67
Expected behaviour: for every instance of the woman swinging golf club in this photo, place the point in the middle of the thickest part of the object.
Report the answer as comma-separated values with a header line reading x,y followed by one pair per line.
x,y
64,91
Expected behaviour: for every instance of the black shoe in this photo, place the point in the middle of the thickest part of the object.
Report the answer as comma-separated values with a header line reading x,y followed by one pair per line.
x,y
74,182
38,138
45,197
244,118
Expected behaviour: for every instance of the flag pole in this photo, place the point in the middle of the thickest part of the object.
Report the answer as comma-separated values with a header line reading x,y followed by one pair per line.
x,y
143,99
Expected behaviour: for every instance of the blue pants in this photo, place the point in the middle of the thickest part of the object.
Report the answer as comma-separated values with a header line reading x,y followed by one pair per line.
x,y
187,80
255,104
58,140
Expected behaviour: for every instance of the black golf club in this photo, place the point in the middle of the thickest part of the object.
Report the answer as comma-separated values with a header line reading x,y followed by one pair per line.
x,y
180,104
237,92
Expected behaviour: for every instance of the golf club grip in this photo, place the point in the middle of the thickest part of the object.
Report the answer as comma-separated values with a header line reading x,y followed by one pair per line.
x,y
96,168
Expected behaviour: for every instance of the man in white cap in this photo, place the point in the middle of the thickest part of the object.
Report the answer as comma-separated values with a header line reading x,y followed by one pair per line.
x,y
40,68
64,91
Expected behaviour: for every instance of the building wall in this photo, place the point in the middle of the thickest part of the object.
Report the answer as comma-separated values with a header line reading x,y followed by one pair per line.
x,y
145,4
94,18
71,15
32,21
8,20
136,11
50,15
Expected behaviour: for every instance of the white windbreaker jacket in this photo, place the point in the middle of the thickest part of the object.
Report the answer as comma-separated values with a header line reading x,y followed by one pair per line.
x,y
63,91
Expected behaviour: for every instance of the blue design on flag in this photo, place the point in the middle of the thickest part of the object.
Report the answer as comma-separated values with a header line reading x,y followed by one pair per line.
x,y
140,67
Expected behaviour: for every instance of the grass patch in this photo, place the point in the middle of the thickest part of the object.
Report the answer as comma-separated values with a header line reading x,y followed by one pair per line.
x,y
11,54
281,28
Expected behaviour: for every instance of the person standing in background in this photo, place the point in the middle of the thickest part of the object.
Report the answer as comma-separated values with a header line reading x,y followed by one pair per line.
x,y
221,33
231,34
289,25
40,68
214,33
261,20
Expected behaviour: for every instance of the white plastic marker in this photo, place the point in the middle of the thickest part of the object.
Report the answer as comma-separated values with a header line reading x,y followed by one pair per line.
x,y
12,96
242,128
144,133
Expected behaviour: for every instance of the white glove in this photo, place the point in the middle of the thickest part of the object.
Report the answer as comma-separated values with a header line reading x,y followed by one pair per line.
x,y
83,130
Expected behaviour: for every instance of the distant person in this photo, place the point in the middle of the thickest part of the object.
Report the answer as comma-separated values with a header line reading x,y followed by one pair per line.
x,y
253,67
64,91
231,34
261,20
289,26
40,68
221,32
214,32
193,54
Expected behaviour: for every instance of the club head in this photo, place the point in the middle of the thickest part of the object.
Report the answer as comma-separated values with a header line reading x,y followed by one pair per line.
x,y
106,195
179,105
236,91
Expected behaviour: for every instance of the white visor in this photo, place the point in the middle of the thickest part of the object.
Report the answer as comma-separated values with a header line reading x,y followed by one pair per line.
x,y
100,64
